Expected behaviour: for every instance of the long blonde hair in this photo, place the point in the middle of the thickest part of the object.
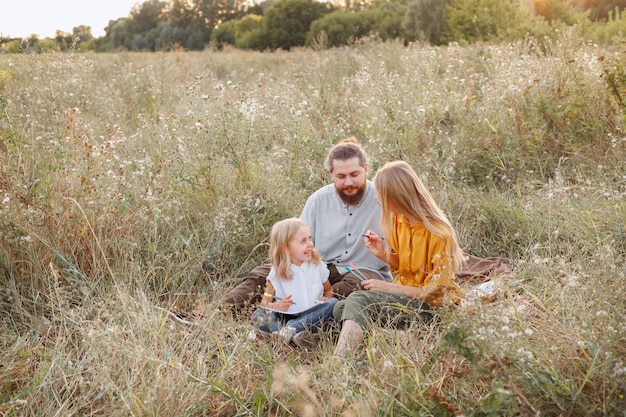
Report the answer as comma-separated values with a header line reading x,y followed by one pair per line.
x,y
398,186
282,233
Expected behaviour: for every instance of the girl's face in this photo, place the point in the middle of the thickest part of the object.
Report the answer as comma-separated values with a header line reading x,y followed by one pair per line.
x,y
300,247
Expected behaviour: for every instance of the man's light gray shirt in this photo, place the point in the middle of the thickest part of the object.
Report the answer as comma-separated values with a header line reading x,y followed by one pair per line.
x,y
336,228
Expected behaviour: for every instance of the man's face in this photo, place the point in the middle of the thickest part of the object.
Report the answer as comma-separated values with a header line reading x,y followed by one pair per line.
x,y
350,179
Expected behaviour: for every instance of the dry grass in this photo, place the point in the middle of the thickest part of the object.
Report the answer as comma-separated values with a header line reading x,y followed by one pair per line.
x,y
133,183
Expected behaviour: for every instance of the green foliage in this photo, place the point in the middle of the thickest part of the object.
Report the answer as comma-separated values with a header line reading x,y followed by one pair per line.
x,y
344,27
555,10
469,21
340,28
601,9
424,20
47,45
612,31
386,20
288,21
251,33
224,34
155,25
133,183
245,33
614,68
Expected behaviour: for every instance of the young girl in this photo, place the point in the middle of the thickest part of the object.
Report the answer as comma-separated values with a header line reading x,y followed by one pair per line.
x,y
423,255
298,295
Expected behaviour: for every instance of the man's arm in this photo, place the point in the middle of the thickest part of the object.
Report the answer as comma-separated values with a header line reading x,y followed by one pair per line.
x,y
250,290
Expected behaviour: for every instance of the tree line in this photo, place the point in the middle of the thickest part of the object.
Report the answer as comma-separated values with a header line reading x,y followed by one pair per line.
x,y
157,25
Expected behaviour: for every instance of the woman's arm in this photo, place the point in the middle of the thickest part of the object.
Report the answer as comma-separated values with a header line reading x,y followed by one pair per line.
x,y
390,287
375,245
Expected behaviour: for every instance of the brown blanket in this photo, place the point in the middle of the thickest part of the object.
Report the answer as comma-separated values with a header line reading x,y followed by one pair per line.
x,y
479,270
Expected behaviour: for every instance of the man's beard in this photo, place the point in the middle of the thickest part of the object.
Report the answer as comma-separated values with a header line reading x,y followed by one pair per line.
x,y
352,200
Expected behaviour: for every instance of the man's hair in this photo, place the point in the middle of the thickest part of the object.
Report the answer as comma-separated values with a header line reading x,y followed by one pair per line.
x,y
344,150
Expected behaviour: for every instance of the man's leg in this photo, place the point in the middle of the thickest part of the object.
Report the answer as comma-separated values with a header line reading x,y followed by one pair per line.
x,y
349,282
249,291
344,284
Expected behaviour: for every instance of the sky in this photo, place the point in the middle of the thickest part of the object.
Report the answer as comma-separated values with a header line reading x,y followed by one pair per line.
x,y
22,18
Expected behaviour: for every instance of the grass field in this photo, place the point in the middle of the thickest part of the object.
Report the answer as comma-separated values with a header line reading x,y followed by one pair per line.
x,y
132,183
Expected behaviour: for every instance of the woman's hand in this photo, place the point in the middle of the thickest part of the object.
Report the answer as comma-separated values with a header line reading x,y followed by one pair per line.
x,y
374,244
376,285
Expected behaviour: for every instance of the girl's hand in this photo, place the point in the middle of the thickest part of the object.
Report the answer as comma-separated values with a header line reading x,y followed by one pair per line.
x,y
374,244
284,304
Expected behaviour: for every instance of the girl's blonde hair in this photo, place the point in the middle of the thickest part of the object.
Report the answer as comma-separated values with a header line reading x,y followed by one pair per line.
x,y
282,233
398,186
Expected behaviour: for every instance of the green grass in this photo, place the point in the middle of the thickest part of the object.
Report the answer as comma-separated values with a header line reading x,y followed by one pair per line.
x,y
135,181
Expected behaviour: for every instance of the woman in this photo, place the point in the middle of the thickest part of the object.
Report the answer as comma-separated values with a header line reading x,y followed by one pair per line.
x,y
423,254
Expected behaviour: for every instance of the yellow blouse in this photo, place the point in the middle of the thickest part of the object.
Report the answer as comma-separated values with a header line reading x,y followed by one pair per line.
x,y
424,261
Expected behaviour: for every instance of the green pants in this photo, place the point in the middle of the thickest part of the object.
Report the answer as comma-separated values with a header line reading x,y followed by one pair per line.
x,y
369,308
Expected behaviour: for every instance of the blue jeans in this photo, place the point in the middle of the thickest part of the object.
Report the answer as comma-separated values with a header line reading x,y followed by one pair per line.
x,y
311,319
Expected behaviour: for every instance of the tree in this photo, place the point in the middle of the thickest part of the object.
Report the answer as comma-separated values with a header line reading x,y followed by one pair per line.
x,y
210,13
118,34
288,21
340,28
600,9
489,20
224,34
555,10
146,16
424,20
387,20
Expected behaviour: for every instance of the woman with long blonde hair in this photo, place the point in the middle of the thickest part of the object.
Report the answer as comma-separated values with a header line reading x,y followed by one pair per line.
x,y
423,254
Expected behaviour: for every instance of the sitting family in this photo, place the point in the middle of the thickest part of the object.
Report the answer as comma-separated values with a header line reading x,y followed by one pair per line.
x,y
336,261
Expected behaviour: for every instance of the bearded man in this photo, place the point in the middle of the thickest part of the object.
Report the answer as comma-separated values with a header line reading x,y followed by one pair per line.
x,y
337,214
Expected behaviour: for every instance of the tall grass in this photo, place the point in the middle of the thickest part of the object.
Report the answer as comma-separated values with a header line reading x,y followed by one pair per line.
x,y
132,183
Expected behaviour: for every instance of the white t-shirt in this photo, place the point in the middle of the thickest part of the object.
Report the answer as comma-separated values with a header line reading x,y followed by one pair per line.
x,y
306,286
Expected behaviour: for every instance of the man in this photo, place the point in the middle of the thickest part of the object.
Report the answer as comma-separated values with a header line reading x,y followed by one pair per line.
x,y
337,214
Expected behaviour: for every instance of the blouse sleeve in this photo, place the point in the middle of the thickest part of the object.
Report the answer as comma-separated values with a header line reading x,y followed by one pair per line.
x,y
440,282
424,261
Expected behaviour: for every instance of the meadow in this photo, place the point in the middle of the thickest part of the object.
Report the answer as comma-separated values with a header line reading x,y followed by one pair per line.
x,y
134,183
